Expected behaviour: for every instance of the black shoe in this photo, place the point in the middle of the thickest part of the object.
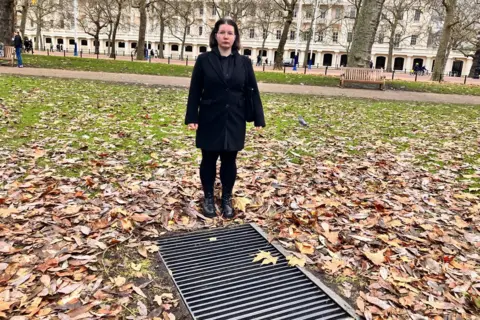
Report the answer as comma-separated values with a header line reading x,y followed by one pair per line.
x,y
209,206
227,208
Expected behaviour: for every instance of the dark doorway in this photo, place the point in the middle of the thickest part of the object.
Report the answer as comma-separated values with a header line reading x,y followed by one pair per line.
x,y
457,68
398,64
292,55
247,52
263,52
380,63
419,61
203,49
343,60
327,59
311,57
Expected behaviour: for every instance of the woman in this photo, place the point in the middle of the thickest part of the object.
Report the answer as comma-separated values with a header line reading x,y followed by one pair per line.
x,y
216,110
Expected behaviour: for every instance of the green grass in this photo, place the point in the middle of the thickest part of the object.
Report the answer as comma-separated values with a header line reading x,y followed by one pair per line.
x,y
136,67
87,125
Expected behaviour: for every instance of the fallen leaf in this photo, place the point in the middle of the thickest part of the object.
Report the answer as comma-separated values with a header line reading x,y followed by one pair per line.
x,y
120,281
304,248
377,258
139,291
241,203
143,251
294,261
142,308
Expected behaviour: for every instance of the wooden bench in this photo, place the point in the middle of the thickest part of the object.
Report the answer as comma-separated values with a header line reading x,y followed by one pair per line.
x,y
363,75
9,54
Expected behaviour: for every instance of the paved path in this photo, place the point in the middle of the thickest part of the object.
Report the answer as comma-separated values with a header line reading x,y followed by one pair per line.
x,y
264,87
316,69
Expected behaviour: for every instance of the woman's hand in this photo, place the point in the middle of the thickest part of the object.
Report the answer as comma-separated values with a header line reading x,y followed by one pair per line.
x,y
192,126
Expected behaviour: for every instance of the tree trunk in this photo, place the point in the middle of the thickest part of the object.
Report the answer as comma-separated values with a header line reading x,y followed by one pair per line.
x,y
391,45
281,46
182,49
7,21
263,46
23,23
476,61
114,36
142,30
97,42
162,31
364,33
441,57
109,40
307,50
38,43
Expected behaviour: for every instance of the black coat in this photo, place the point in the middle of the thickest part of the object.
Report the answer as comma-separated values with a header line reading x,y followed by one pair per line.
x,y
17,41
218,104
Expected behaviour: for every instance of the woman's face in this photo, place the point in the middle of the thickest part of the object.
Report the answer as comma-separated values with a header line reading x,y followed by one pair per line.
x,y
225,36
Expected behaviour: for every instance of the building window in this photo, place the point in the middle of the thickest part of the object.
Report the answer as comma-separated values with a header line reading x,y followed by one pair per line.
x,y
292,35
335,37
308,15
400,15
417,15
381,36
188,49
413,41
265,34
62,24
353,12
203,49
71,41
48,40
430,39
295,13
133,45
252,33
174,47
323,14
396,40
320,37
59,41
121,44
338,13
200,11
31,23
214,10
200,31
349,37
188,30
305,36
279,34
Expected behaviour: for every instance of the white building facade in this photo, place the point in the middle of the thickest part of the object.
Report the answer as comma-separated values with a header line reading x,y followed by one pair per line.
x,y
329,45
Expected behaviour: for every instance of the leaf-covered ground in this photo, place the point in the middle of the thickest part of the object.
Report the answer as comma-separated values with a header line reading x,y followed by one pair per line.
x,y
381,197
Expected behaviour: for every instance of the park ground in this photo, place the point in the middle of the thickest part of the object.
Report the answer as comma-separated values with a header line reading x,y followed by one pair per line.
x,y
381,198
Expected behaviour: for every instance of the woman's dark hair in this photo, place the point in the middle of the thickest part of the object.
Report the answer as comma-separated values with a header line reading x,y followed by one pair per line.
x,y
213,39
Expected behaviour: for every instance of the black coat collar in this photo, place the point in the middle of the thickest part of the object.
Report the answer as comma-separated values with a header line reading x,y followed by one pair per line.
x,y
214,58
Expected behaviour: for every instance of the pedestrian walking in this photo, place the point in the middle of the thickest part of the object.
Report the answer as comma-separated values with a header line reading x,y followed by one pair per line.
x,y
18,44
222,88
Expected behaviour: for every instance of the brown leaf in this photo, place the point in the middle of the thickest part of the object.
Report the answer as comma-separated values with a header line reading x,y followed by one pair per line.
x,y
380,303
360,304
377,258
142,308
139,291
140,217
49,263
126,224
334,265
143,251
9,272
304,248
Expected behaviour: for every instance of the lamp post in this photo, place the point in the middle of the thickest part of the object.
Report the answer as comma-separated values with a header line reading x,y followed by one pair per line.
x,y
75,18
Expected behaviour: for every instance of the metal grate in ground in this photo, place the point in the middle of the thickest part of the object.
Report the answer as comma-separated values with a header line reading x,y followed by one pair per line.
x,y
218,280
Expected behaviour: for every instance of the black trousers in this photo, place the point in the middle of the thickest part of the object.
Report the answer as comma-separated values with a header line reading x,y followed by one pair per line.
x,y
228,170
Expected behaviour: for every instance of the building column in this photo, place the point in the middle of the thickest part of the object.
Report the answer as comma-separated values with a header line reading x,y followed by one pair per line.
x,y
334,60
448,66
428,63
408,63
127,47
468,66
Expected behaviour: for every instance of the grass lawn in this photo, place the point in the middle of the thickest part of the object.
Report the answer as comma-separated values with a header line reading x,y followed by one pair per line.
x,y
85,64
386,194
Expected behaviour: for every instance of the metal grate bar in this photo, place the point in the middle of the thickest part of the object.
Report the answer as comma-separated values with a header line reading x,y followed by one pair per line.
x,y
216,277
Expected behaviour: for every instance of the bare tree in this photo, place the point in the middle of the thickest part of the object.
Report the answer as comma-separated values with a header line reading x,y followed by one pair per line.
x,y
287,6
113,10
40,10
92,20
163,12
398,18
364,33
450,9
7,20
236,9
25,5
184,19
265,18
318,14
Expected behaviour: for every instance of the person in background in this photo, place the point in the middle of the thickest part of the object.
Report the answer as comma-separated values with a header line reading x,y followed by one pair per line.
x,y
18,44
